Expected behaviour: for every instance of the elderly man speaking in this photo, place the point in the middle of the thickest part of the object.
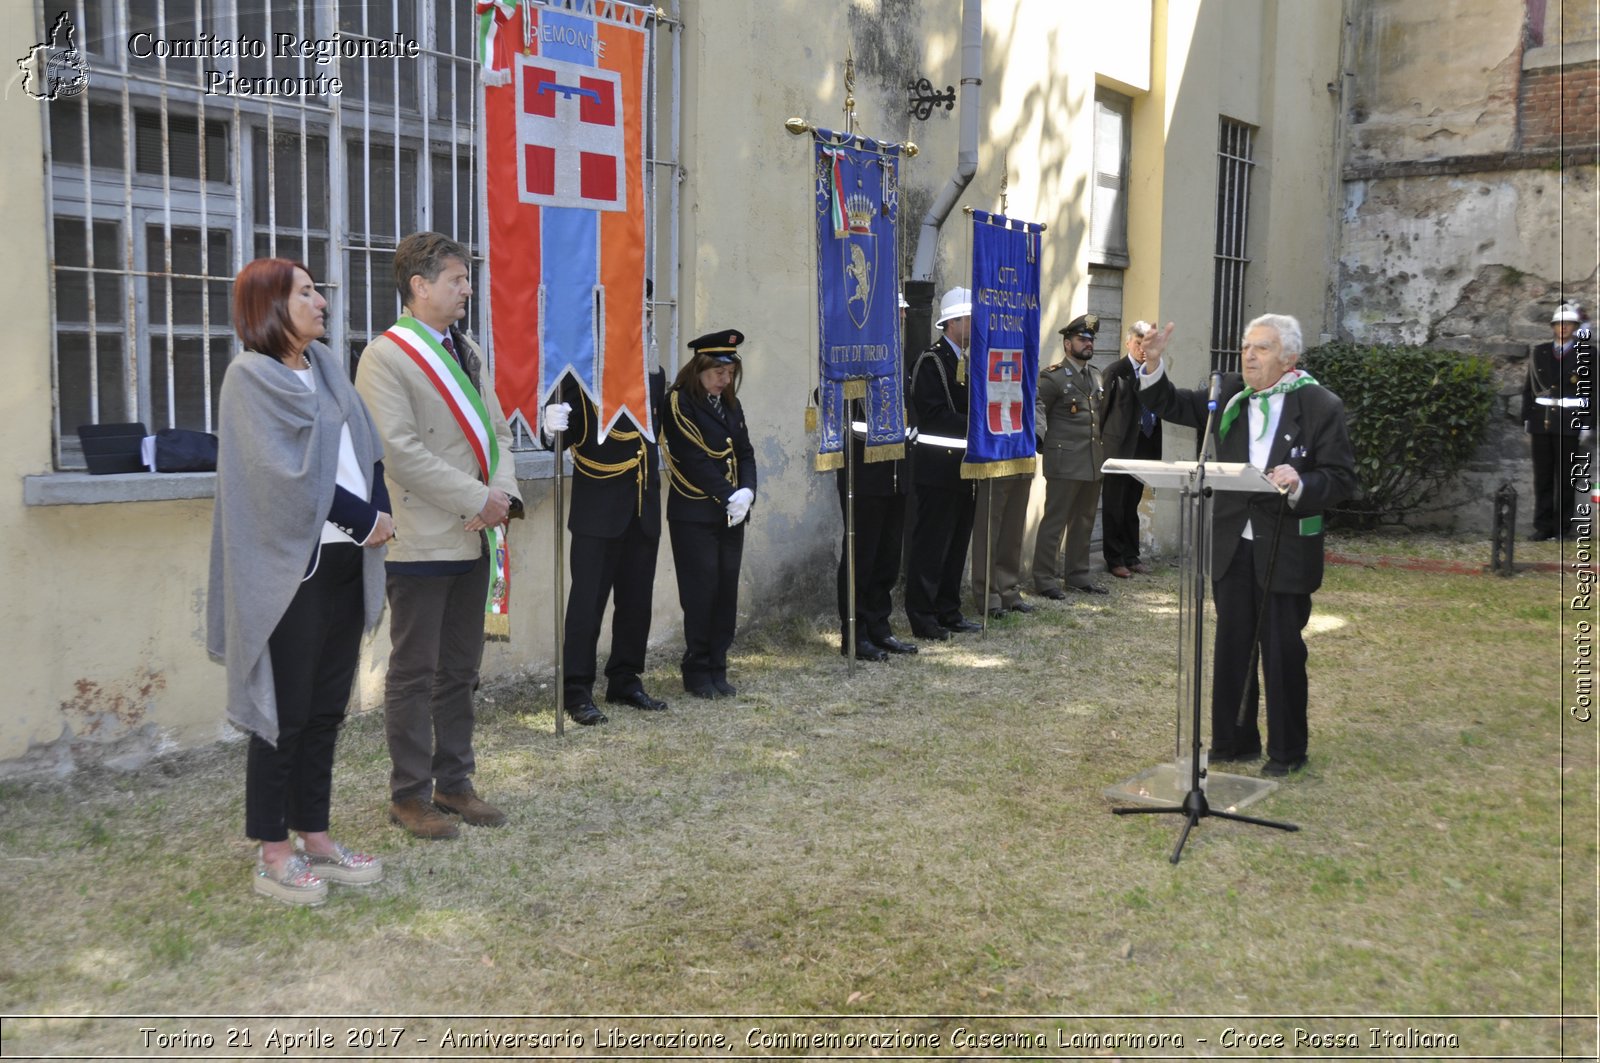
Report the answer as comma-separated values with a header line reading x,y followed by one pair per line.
x,y
1279,419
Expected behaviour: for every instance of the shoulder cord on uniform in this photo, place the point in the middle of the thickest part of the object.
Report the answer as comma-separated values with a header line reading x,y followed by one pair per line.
x,y
944,381
604,470
691,431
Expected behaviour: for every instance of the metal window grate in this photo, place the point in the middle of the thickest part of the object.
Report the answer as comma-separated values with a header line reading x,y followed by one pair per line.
x,y
159,191
1234,166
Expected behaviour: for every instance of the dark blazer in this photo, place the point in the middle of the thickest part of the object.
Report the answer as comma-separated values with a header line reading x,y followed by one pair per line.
x,y
938,403
1067,416
1312,426
1570,376
618,478
1119,425
709,457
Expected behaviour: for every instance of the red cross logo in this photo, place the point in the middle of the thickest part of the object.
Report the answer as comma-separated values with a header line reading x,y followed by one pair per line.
x,y
1005,392
570,142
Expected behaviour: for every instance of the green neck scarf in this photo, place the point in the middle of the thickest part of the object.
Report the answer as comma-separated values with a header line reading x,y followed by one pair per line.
x,y
1236,404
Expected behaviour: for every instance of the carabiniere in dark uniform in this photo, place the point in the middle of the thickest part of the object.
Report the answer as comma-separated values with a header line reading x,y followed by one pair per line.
x,y
709,462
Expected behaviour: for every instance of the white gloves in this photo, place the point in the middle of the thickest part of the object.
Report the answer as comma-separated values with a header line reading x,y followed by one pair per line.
x,y
557,417
739,505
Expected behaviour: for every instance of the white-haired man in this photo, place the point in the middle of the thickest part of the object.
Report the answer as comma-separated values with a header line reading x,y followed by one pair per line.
x,y
1279,419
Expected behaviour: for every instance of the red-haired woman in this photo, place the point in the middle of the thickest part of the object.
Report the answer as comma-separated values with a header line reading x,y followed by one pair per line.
x,y
296,570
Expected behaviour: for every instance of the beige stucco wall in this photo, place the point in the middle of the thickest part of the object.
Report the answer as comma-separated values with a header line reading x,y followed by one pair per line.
x,y
103,639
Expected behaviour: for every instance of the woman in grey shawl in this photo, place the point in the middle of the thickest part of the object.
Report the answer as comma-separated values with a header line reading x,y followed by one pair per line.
x,y
301,517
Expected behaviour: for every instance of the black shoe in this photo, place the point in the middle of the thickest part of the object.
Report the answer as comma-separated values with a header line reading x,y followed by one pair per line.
x,y
962,626
1020,606
865,651
1217,756
1541,537
1090,588
702,690
1279,768
935,634
894,645
1055,594
724,688
588,714
997,614
639,700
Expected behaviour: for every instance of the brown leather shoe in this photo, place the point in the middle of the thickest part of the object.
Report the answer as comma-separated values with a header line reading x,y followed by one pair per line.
x,y
422,820
470,807
1141,568
1122,571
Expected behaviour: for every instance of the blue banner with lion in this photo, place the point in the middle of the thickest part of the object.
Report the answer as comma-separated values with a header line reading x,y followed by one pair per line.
x,y
857,200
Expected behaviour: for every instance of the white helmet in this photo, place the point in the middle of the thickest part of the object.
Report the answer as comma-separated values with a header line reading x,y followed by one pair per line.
x,y
957,302
1567,312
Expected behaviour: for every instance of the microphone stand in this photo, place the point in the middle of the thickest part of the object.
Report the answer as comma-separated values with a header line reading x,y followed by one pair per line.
x,y
1195,807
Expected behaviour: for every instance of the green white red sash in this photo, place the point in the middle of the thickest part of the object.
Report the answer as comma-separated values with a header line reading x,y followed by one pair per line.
x,y
471,414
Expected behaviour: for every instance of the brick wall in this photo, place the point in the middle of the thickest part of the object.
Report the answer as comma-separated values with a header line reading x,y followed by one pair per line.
x,y
1558,101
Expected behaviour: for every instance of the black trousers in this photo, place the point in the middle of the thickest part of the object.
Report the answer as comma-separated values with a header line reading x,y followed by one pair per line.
x,y
314,651
624,570
707,558
941,529
1119,519
1555,502
880,533
1240,600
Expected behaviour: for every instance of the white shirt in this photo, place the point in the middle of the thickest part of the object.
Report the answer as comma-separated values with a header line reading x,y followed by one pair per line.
x,y
351,476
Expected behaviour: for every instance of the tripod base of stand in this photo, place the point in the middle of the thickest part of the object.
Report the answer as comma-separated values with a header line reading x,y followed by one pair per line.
x,y
1194,806
1167,784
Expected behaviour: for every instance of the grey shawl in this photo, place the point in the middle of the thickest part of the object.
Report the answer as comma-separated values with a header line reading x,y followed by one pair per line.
x,y
277,462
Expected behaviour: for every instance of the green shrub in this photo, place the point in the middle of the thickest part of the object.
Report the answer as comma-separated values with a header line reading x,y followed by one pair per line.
x,y
1416,417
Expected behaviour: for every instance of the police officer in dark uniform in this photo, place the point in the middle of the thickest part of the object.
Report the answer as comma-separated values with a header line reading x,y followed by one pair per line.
x,y
880,495
1067,418
1557,398
941,523
615,521
711,470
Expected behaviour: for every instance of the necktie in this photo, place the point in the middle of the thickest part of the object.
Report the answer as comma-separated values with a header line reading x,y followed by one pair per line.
x,y
1147,423
450,345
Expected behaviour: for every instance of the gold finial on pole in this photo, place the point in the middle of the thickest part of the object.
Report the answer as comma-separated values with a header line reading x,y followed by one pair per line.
x,y
909,150
1005,181
798,126
850,92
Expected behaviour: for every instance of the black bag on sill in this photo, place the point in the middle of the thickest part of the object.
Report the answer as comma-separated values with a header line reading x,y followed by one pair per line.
x,y
185,450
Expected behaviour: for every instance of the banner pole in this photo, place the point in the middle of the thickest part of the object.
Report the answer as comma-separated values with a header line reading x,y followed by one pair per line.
x,y
988,550
561,579
850,536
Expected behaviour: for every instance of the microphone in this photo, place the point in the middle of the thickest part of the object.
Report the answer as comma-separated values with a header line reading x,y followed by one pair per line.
x,y
1216,386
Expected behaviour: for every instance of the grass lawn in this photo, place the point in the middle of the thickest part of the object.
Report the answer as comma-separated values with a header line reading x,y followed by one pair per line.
x,y
922,847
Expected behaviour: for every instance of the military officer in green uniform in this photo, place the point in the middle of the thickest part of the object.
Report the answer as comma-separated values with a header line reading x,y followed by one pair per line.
x,y
1067,416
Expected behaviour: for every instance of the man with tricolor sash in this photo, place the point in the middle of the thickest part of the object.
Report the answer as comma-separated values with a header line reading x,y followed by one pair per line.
x,y
1266,558
447,451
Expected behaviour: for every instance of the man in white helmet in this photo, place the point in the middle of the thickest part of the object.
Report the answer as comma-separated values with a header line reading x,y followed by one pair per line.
x,y
1557,404
943,503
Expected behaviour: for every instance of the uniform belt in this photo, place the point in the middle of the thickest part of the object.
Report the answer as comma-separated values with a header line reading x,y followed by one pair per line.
x,y
941,441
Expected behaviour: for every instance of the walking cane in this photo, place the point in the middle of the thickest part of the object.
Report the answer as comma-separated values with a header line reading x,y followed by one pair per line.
x,y
561,579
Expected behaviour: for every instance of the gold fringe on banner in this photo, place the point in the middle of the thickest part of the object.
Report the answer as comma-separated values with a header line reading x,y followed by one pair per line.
x,y
854,389
496,627
811,418
885,452
994,470
830,462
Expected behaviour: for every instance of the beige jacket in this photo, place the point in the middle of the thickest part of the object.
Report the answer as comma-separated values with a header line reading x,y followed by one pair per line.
x,y
431,470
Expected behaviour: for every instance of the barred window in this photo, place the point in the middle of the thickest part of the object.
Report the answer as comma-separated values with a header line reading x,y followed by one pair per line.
x,y
163,182
1234,165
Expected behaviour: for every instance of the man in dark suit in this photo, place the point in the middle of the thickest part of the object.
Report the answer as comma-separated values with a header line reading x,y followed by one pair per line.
x,y
1280,420
941,522
1130,431
1555,412
880,503
615,522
